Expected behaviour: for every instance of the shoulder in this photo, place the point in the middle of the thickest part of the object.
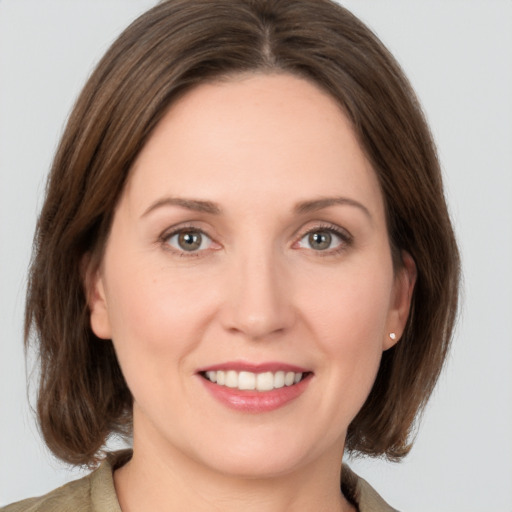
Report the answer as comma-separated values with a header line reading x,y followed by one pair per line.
x,y
92,493
72,496
361,493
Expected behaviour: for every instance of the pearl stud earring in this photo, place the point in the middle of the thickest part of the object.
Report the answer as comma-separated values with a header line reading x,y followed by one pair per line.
x,y
392,336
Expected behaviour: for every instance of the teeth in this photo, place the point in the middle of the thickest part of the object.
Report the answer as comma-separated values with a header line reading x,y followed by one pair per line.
x,y
246,380
265,381
231,379
212,376
279,380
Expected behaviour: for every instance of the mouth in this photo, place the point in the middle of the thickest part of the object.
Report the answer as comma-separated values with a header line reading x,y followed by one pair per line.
x,y
255,388
254,381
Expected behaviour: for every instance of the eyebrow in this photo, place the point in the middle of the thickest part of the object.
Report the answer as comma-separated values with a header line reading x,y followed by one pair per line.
x,y
325,202
195,205
301,208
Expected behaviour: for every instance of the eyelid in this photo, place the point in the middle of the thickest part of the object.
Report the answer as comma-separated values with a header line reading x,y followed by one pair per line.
x,y
344,235
166,235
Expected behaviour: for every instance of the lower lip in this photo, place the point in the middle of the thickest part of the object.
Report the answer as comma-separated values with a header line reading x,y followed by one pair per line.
x,y
256,401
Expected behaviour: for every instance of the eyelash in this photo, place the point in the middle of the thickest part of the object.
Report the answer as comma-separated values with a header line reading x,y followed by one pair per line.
x,y
345,238
167,235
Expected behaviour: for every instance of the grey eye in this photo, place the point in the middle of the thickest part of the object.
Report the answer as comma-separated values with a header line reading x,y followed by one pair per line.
x,y
189,241
320,240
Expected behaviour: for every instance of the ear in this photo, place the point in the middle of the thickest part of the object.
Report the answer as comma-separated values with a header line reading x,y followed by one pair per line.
x,y
405,279
96,298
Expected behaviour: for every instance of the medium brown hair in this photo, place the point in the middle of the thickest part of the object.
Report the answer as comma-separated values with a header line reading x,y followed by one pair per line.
x,y
178,44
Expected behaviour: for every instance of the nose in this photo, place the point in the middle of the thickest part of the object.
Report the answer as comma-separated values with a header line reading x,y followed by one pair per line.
x,y
259,303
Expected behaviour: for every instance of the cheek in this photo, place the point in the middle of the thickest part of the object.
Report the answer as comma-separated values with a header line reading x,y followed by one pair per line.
x,y
353,303
352,338
156,324
154,317
350,318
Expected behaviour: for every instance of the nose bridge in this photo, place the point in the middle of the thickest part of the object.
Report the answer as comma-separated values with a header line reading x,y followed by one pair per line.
x,y
259,302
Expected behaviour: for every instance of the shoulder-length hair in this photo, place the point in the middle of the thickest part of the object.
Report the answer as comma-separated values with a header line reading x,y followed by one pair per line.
x,y
83,397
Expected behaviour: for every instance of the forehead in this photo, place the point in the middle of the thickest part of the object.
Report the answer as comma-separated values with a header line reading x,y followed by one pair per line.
x,y
254,136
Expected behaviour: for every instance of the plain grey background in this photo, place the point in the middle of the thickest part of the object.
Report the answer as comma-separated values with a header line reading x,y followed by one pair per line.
x,y
458,55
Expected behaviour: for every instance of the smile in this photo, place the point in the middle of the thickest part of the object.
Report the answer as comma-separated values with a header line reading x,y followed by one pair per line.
x,y
250,381
255,388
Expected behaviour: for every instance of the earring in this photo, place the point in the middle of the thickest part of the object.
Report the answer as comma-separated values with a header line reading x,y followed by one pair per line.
x,y
392,336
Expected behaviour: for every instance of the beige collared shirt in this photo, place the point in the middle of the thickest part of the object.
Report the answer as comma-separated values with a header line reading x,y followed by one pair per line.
x,y
96,493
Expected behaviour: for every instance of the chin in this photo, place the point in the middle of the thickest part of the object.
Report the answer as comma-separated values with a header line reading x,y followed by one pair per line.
x,y
258,466
265,456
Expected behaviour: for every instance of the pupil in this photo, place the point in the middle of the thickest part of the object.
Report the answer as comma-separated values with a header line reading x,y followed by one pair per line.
x,y
320,240
190,241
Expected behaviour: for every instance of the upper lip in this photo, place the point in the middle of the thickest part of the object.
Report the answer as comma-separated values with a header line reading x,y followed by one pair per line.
x,y
242,366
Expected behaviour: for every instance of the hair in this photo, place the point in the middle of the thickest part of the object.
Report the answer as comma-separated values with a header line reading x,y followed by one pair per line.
x,y
83,397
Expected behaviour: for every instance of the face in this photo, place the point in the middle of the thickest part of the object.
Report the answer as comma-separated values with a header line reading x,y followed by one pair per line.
x,y
247,282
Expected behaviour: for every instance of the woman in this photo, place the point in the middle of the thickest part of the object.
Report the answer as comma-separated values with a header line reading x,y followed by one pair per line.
x,y
244,260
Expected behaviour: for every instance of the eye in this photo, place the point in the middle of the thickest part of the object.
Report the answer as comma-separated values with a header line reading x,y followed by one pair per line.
x,y
189,240
323,239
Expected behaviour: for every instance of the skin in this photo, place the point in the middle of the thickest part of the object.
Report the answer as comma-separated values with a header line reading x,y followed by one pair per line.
x,y
254,147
